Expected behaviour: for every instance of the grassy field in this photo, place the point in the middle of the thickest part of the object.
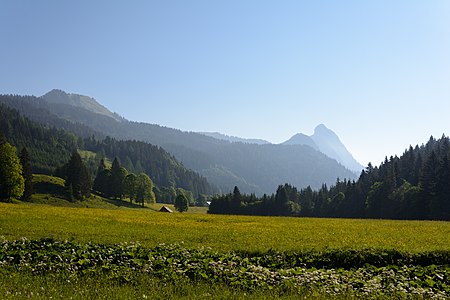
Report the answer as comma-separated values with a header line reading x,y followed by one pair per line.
x,y
95,263
250,257
19,285
249,233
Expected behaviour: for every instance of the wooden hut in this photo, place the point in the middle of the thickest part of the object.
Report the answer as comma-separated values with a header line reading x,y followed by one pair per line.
x,y
165,209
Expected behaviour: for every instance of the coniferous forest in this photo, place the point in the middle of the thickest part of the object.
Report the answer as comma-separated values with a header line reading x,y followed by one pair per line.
x,y
50,149
415,185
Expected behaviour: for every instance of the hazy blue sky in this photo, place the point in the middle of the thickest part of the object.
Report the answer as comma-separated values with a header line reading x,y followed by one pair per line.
x,y
376,72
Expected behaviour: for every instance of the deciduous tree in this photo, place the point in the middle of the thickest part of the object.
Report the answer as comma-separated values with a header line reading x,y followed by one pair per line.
x,y
181,203
11,179
144,189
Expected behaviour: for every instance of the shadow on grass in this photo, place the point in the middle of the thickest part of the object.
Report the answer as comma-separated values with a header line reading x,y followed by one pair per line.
x,y
122,203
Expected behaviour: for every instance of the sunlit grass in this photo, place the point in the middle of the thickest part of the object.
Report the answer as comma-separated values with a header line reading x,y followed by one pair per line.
x,y
20,285
220,232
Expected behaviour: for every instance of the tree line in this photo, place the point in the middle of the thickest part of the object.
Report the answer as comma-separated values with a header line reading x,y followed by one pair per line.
x,y
415,185
16,179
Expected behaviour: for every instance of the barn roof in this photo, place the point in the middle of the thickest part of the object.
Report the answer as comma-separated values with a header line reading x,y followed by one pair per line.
x,y
165,209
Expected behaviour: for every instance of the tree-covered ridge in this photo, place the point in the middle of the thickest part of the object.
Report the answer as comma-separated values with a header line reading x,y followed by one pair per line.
x,y
415,185
162,167
50,148
37,110
255,168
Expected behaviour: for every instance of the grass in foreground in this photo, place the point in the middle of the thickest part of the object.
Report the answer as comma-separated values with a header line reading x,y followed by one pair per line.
x,y
19,285
248,233
123,270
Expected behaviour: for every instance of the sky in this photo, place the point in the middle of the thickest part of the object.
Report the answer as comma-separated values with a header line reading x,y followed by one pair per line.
x,y
375,72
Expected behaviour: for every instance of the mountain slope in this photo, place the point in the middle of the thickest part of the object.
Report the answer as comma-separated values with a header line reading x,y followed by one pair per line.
x,y
50,148
259,168
88,103
301,139
234,139
327,142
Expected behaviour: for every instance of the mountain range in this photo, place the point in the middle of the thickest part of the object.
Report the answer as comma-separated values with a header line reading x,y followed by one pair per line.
x,y
255,166
323,140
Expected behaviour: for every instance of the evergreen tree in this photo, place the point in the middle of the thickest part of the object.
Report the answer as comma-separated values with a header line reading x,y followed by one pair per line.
x,y
181,203
428,183
281,200
27,174
11,179
440,204
236,200
78,177
102,179
117,180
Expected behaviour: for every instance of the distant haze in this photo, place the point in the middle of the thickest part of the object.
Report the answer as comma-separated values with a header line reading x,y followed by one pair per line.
x,y
375,72
255,168
323,140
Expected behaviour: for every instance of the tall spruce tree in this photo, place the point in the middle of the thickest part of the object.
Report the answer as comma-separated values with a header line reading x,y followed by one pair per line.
x,y
77,176
236,199
117,180
27,174
440,204
428,183
101,181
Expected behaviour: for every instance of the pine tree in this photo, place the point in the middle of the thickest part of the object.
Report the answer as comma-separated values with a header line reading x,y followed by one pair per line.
x,y
281,200
428,183
78,177
236,200
440,204
117,180
27,174
101,181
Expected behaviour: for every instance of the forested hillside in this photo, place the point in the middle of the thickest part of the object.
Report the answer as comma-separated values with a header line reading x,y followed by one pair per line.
x,y
162,167
255,168
50,148
415,185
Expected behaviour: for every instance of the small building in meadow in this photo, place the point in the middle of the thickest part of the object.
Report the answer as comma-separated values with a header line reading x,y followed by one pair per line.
x,y
165,209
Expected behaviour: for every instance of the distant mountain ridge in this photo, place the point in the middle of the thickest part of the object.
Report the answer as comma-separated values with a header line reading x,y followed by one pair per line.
x,y
301,139
61,97
323,140
253,168
327,142
234,139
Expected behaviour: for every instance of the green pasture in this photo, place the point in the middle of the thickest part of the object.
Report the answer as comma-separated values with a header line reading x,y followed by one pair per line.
x,y
249,233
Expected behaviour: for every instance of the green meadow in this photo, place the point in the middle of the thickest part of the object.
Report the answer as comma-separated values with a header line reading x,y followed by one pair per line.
x,y
250,233
112,249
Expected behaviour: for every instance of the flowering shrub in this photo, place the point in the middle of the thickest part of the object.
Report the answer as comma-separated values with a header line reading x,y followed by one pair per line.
x,y
367,272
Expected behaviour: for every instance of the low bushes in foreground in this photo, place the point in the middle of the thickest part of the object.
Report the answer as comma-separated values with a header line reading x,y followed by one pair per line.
x,y
333,272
